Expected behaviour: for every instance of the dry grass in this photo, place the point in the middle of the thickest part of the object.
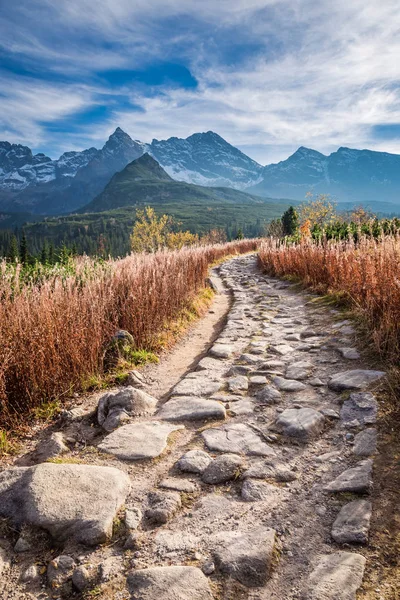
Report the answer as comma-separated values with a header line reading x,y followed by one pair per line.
x,y
54,329
365,276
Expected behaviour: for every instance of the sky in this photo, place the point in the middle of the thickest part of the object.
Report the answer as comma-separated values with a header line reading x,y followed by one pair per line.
x,y
267,75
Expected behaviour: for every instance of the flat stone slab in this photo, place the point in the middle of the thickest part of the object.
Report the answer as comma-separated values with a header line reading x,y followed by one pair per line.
x,y
222,350
337,576
191,408
352,523
260,491
180,485
359,410
358,479
169,583
247,557
303,423
349,353
299,370
211,364
196,386
71,502
236,438
238,384
281,349
358,379
365,442
138,441
289,385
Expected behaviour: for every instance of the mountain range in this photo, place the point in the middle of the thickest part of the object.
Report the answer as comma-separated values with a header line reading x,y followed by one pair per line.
x,y
36,184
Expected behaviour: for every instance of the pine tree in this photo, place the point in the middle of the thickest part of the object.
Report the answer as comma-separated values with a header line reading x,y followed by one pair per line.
x,y
12,253
290,221
23,250
239,235
44,254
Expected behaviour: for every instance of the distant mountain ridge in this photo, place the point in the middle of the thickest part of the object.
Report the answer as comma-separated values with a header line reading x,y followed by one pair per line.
x,y
349,175
42,186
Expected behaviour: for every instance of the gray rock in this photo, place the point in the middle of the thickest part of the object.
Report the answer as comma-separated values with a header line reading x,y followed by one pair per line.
x,y
135,379
349,353
162,506
116,408
358,379
210,364
244,406
365,442
316,382
266,470
59,572
258,380
194,461
138,440
237,438
31,575
169,583
292,337
223,468
302,423
245,556
269,395
208,568
133,541
299,370
200,385
22,545
133,516
250,359
337,576
254,491
330,413
273,364
289,385
221,350
180,485
238,384
282,349
352,523
50,448
81,578
239,370
191,408
359,410
74,502
358,479
110,568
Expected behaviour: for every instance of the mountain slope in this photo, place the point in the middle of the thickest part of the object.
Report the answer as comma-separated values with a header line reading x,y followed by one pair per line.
x,y
144,181
206,159
350,175
42,186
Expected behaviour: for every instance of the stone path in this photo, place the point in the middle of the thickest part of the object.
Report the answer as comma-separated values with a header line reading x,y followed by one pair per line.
x,y
250,481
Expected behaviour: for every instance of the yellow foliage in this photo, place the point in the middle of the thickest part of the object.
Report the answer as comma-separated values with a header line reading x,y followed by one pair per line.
x,y
152,233
317,210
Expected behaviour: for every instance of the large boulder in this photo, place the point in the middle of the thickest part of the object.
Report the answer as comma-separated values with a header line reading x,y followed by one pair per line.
x,y
71,502
115,408
336,576
357,379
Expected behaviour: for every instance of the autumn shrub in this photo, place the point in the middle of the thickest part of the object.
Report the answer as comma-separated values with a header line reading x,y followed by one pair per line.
x,y
366,274
55,325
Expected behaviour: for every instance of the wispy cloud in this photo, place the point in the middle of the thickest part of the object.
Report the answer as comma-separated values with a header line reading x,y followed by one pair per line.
x,y
271,75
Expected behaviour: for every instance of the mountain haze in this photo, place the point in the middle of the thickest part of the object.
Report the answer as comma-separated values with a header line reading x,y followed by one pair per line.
x,y
350,175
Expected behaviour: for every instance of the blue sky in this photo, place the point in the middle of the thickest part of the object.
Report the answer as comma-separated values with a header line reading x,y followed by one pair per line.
x,y
267,75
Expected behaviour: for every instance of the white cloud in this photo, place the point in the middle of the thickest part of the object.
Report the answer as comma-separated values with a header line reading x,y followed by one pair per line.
x,y
322,74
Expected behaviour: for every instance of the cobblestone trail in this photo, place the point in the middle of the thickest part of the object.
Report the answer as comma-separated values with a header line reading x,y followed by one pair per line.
x,y
251,480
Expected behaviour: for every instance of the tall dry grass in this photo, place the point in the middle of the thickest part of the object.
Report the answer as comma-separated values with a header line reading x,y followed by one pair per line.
x,y
366,274
54,329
